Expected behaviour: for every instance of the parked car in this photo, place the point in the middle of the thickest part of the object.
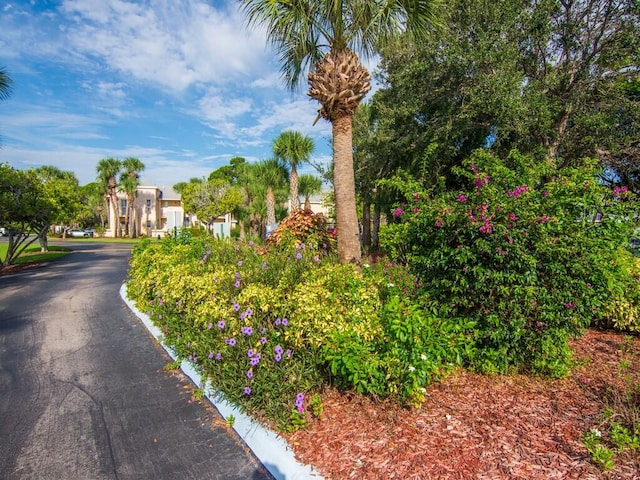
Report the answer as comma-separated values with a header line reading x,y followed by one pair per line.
x,y
4,232
90,231
76,232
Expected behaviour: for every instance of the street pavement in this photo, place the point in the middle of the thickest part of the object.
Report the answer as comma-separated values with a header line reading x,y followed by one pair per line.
x,y
83,390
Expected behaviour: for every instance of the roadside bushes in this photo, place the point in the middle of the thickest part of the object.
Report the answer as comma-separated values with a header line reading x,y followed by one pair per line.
x,y
528,254
270,327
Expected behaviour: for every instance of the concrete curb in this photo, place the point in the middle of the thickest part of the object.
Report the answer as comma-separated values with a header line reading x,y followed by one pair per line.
x,y
272,450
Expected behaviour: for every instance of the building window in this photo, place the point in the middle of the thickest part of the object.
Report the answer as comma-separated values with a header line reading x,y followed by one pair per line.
x,y
148,223
123,207
166,204
148,202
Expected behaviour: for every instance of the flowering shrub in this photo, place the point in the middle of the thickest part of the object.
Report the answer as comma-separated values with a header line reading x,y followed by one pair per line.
x,y
268,327
302,227
526,253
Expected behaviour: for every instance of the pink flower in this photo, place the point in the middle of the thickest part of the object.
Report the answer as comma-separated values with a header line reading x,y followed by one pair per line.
x,y
462,198
438,223
397,212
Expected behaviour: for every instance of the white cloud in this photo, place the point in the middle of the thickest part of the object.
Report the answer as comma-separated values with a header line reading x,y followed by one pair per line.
x,y
173,44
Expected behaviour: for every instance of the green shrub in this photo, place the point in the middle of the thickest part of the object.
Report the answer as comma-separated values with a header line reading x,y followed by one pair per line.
x,y
269,327
524,252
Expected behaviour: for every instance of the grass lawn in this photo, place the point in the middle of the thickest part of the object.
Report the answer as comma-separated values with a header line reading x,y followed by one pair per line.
x,y
33,255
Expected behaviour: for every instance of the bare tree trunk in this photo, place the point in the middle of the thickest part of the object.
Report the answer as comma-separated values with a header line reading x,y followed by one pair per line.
x,y
560,128
375,235
42,239
295,200
114,208
345,191
271,207
366,224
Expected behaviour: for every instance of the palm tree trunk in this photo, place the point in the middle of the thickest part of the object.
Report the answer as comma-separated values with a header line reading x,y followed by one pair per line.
x,y
295,200
345,191
114,208
271,207
127,217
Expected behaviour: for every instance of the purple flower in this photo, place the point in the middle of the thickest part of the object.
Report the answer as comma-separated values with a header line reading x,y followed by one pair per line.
x,y
237,284
316,259
288,352
263,340
246,330
285,322
250,374
218,356
278,357
210,355
221,324
278,321
298,255
210,326
302,246
250,353
278,349
249,312
247,390
231,342
236,307
242,315
255,361
239,263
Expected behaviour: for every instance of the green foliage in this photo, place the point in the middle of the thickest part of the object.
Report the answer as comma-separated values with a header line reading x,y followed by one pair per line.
x,y
601,455
266,326
527,253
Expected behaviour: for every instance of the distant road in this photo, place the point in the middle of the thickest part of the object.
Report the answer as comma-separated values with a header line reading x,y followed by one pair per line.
x,y
83,393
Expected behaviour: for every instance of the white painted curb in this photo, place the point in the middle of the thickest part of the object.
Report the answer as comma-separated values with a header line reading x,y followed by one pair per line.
x,y
272,450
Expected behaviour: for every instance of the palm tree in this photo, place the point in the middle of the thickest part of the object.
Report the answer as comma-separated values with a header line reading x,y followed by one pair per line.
x,y
323,36
5,84
108,169
293,148
272,175
309,185
129,182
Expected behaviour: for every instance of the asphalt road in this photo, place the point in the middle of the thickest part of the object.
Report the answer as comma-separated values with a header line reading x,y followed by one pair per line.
x,y
83,393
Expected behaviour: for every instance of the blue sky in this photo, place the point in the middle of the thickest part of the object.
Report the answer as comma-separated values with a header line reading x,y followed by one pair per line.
x,y
182,85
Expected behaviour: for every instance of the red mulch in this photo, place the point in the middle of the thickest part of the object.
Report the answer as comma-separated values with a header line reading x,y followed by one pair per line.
x,y
478,427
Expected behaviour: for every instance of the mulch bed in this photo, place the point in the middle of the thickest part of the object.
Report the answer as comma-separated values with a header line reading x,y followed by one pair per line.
x,y
479,427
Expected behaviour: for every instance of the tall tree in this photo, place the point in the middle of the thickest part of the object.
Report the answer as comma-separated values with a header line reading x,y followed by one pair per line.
x,y
211,199
60,203
108,169
309,185
540,76
129,182
293,148
326,37
272,174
